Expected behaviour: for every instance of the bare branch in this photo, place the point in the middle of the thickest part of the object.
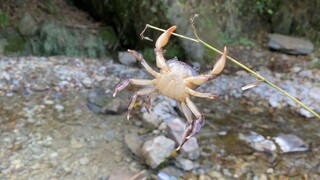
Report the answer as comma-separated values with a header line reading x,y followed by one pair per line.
x,y
194,28
144,37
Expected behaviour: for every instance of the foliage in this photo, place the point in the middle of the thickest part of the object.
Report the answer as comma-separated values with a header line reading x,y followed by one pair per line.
x,y
15,44
257,6
109,37
54,39
225,38
246,42
4,19
315,60
264,6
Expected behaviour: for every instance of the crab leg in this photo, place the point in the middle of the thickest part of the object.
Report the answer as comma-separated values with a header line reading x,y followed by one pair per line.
x,y
144,63
135,96
198,123
125,83
193,127
218,67
148,100
187,112
201,94
161,42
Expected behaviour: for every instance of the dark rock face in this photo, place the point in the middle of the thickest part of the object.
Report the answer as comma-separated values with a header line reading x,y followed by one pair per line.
x,y
282,20
290,45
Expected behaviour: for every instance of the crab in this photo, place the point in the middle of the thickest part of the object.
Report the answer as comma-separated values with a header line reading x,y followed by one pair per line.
x,y
176,80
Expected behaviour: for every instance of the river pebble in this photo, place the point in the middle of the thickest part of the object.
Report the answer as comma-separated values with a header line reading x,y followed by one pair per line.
x,y
291,143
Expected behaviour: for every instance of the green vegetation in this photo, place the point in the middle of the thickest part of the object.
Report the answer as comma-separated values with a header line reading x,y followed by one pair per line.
x,y
264,6
14,44
4,19
246,42
54,39
261,7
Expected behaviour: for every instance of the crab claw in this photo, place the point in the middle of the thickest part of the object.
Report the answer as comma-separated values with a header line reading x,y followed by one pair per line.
x,y
164,37
218,67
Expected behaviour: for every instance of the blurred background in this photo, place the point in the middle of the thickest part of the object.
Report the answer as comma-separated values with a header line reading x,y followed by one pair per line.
x,y
99,28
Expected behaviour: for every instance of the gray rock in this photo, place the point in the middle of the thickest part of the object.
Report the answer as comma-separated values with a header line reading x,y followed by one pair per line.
x,y
258,142
290,45
305,113
295,69
164,110
274,100
291,143
115,106
306,73
185,164
170,173
156,150
151,119
126,58
87,82
134,142
176,129
101,102
125,174
59,107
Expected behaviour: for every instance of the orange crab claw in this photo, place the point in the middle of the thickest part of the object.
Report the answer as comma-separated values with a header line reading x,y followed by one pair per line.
x,y
219,66
164,37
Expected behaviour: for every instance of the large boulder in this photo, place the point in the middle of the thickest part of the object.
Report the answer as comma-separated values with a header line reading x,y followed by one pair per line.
x,y
289,44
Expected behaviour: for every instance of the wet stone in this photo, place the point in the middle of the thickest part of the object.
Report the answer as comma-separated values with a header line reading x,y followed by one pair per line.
x,y
169,173
305,113
291,143
258,142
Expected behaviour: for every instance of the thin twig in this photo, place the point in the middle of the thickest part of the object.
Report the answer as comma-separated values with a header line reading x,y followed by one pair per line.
x,y
257,75
193,27
145,37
